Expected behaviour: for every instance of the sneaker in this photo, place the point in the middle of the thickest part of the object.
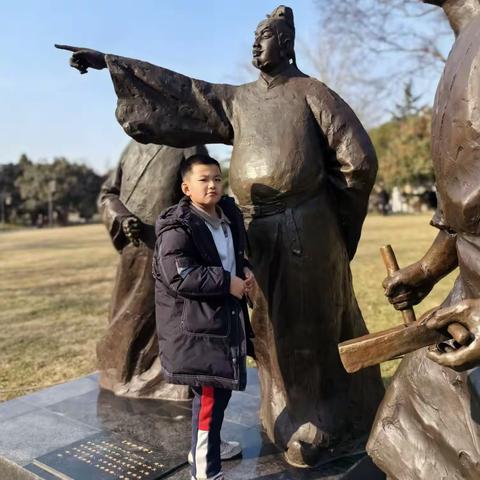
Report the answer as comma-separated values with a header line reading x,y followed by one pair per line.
x,y
228,450
218,476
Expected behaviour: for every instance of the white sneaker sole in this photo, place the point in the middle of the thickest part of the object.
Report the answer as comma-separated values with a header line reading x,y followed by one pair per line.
x,y
233,454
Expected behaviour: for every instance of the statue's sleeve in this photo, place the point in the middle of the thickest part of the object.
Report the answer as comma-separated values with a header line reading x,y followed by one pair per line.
x,y
156,105
351,161
112,209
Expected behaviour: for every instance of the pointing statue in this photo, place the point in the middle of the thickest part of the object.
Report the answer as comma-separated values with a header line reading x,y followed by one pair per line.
x,y
302,170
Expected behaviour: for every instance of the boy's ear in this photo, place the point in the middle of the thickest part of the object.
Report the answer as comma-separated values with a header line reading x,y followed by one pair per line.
x,y
185,189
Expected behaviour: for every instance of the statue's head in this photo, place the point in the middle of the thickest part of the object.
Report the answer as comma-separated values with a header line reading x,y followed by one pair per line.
x,y
274,40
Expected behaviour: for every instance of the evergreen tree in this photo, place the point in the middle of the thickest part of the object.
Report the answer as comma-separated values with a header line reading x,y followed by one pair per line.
x,y
409,107
403,150
72,187
403,144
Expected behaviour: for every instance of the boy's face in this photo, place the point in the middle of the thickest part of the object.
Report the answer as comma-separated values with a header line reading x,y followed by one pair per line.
x,y
204,185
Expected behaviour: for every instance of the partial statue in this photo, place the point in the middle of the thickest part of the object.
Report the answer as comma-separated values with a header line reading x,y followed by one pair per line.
x,y
428,424
302,170
145,182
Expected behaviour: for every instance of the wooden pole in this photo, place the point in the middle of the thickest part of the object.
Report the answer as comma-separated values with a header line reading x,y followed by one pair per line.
x,y
391,265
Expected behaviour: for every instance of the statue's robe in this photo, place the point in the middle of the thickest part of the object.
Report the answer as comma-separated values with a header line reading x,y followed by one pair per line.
x,y
145,182
428,424
302,169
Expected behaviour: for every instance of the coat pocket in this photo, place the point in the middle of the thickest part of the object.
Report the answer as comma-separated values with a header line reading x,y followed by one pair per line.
x,y
202,318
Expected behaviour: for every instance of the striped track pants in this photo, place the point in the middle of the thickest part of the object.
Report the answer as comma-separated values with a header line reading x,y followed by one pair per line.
x,y
208,409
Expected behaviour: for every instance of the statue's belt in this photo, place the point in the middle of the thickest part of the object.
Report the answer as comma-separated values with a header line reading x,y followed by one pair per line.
x,y
277,206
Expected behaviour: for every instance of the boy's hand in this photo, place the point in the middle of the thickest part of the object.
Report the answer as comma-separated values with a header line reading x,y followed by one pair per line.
x,y
237,287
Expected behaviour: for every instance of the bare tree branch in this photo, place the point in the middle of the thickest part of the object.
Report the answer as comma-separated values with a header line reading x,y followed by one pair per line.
x,y
368,48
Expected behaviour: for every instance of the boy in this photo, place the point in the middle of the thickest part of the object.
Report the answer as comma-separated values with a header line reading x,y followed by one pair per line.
x,y
202,278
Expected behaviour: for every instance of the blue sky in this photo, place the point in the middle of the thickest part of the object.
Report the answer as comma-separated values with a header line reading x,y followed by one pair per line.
x,y
49,109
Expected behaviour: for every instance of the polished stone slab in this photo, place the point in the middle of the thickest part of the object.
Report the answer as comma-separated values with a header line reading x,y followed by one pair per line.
x,y
14,408
35,433
37,428
50,396
105,456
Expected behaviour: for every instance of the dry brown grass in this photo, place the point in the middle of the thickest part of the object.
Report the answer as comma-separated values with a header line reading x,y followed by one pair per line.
x,y
55,289
54,295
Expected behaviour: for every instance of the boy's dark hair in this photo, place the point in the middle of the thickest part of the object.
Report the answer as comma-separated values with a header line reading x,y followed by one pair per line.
x,y
196,159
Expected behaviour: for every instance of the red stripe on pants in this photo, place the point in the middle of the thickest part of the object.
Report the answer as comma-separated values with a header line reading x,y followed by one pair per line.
x,y
206,409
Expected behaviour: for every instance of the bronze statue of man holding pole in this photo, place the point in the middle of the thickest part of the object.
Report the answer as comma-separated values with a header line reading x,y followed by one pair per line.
x,y
428,426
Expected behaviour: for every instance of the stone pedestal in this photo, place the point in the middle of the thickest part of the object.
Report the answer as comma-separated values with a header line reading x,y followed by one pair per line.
x,y
77,431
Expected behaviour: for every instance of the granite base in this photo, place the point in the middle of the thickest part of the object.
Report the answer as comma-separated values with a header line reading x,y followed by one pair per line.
x,y
57,433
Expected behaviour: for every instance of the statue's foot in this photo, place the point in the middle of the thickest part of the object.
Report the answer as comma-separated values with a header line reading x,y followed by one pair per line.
x,y
307,447
301,456
305,454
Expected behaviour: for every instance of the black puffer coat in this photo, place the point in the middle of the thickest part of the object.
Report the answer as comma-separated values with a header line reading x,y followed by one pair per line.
x,y
200,325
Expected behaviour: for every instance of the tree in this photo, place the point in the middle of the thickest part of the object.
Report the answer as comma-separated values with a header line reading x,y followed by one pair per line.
x,y
403,144
76,189
403,149
10,200
32,186
380,44
409,107
85,191
337,64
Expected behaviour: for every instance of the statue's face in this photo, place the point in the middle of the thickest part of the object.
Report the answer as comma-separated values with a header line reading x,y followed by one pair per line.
x,y
267,53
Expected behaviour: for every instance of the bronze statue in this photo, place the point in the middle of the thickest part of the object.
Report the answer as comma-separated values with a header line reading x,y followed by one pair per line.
x,y
302,170
145,182
428,424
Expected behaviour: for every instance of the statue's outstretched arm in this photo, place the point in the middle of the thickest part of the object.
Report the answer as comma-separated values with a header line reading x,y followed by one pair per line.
x,y
157,105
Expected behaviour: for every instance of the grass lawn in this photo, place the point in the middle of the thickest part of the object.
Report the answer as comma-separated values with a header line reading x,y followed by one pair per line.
x,y
55,287
54,295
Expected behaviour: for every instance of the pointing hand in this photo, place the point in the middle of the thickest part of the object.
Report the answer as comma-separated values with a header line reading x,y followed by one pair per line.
x,y
84,58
